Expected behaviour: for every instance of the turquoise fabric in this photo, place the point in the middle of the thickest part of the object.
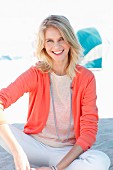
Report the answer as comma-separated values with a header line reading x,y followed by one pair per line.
x,y
94,64
89,38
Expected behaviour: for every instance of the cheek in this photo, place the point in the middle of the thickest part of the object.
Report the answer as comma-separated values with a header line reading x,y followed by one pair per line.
x,y
67,46
48,51
67,49
47,48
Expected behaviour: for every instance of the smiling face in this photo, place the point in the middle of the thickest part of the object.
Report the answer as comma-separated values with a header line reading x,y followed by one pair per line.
x,y
55,45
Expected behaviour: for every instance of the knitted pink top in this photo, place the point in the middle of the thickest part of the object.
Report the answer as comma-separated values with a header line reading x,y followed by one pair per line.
x,y
61,93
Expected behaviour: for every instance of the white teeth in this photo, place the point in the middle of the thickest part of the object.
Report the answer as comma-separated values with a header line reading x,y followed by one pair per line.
x,y
58,52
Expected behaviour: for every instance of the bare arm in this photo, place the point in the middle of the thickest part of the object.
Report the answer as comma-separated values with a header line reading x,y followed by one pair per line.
x,y
71,155
6,133
20,158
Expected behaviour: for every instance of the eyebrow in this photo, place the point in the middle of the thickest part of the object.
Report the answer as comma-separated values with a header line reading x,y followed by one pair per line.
x,y
52,39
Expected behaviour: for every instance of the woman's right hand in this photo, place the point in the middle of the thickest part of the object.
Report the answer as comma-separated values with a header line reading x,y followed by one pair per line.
x,y
21,160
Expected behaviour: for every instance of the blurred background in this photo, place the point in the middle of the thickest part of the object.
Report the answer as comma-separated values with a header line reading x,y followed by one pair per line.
x,y
19,22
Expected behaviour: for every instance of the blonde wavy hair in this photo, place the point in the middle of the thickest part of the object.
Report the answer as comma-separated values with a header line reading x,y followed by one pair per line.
x,y
67,32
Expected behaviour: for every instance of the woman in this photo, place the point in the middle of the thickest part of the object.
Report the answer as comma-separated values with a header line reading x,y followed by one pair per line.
x,y
62,117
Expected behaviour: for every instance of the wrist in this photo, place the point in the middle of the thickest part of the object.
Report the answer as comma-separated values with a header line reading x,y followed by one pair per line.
x,y
53,167
16,150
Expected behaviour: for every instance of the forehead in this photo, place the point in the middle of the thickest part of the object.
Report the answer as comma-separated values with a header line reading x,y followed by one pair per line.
x,y
51,32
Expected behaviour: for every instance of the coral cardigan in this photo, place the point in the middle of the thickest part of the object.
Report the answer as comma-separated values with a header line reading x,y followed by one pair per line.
x,y
84,109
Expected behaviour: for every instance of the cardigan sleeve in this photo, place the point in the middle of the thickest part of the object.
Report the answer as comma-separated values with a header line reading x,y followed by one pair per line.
x,y
26,82
89,114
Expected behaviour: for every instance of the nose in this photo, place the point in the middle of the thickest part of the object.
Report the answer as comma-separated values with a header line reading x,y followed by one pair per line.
x,y
56,44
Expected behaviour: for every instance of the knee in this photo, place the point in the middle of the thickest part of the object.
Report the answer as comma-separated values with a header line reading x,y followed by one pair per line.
x,y
103,161
100,160
91,160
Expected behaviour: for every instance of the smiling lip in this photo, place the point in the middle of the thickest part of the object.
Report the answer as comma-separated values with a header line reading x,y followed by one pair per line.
x,y
57,52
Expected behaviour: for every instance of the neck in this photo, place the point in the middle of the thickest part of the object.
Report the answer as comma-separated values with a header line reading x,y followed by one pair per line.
x,y
59,68
59,72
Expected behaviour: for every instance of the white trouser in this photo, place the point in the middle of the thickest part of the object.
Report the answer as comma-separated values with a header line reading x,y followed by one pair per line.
x,y
40,154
